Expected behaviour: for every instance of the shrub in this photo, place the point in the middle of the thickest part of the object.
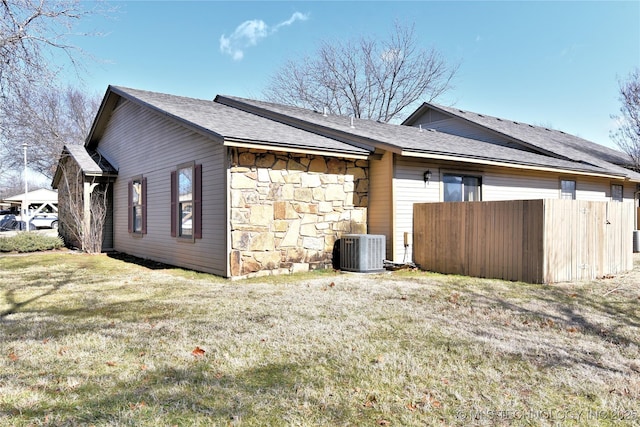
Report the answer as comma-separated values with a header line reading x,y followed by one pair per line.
x,y
30,242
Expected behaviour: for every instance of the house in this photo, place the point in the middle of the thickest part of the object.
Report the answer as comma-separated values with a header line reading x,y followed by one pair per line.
x,y
239,187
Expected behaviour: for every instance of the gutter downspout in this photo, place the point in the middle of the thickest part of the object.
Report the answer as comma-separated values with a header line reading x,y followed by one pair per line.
x,y
636,232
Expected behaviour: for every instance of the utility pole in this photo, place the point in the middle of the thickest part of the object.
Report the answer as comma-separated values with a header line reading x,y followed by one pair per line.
x,y
25,200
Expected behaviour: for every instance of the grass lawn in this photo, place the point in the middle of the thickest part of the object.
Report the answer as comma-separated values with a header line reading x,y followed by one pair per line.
x,y
95,340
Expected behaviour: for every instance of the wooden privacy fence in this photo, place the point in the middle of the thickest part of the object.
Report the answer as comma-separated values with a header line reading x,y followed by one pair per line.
x,y
535,241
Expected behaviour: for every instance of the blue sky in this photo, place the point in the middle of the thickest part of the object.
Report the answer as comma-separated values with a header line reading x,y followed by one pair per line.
x,y
540,62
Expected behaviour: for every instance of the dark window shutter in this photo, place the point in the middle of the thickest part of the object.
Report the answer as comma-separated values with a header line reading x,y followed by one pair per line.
x,y
197,202
144,205
130,209
174,203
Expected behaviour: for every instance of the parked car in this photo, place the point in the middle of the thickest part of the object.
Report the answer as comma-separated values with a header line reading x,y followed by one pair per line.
x,y
45,221
4,213
10,223
7,222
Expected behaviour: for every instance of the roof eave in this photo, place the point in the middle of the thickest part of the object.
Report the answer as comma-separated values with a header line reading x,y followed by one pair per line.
x,y
327,131
269,146
512,165
100,120
409,121
108,104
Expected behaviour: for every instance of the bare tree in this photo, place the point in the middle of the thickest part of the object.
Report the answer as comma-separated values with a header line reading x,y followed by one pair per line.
x,y
365,78
32,34
627,136
81,221
13,184
35,47
46,121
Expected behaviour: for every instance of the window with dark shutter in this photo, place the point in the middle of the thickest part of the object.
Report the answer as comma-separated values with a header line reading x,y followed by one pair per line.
x,y
197,202
174,203
144,206
130,207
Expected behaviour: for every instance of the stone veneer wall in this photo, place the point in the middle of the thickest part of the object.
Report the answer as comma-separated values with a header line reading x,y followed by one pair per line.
x,y
288,210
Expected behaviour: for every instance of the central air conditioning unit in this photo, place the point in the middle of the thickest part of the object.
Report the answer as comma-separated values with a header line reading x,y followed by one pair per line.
x,y
362,253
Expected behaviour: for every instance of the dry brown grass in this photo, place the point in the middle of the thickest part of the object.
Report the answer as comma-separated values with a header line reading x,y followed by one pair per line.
x,y
93,340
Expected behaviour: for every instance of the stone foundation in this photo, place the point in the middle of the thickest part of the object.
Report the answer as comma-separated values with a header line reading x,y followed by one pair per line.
x,y
288,210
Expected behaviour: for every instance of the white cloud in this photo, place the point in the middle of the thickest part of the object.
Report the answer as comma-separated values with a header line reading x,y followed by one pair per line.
x,y
250,33
297,16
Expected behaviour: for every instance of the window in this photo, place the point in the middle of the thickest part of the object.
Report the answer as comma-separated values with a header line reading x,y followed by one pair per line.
x,y
616,192
137,216
186,203
460,188
567,189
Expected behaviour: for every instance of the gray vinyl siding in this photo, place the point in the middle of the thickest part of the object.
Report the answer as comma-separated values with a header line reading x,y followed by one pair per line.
x,y
140,142
467,130
497,184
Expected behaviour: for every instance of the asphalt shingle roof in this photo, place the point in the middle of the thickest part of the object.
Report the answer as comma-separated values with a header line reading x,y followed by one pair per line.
x,y
410,139
549,140
90,162
228,123
282,127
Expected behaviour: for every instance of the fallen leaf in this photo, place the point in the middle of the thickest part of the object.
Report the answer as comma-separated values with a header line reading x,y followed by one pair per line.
x,y
13,357
433,401
371,400
197,352
134,406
